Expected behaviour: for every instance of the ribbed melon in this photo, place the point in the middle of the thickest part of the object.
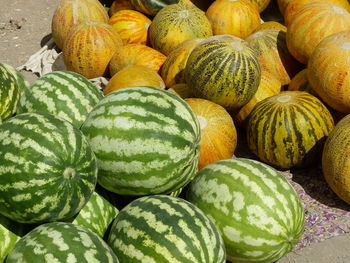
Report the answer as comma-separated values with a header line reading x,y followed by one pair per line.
x,y
162,228
336,159
176,23
259,214
61,243
225,70
89,47
9,93
288,130
73,12
48,170
146,141
65,94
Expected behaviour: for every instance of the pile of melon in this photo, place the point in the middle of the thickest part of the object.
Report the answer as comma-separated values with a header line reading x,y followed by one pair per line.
x,y
149,168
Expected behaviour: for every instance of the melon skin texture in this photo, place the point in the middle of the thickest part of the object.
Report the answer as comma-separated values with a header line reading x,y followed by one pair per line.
x,y
61,243
259,214
288,130
48,171
225,70
65,94
146,141
162,228
335,159
7,237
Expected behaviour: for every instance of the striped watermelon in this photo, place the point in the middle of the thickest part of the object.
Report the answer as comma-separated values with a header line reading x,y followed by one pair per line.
x,y
21,81
7,238
96,215
146,141
9,93
65,94
162,228
60,242
47,172
258,212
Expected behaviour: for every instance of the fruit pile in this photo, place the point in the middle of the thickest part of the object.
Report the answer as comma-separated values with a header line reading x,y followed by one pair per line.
x,y
147,170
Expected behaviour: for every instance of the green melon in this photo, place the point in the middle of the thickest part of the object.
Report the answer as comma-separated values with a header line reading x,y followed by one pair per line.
x,y
21,81
65,94
225,70
48,170
96,215
258,212
9,93
146,141
7,238
60,242
164,229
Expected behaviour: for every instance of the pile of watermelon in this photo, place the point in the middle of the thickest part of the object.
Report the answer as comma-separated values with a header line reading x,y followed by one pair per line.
x,y
146,169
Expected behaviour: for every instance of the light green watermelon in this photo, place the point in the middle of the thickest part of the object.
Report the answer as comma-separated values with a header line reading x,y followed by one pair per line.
x,y
146,141
65,94
60,242
9,93
48,170
96,215
163,229
258,212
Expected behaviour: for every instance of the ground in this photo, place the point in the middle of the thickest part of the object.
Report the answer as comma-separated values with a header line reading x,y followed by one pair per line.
x,y
26,25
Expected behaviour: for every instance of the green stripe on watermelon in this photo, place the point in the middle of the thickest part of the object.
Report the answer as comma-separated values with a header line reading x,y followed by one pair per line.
x,y
61,242
162,228
9,93
48,170
258,212
65,94
96,215
146,141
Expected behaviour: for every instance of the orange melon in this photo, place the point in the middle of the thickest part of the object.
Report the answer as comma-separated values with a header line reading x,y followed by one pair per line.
x,y
131,25
233,17
218,132
89,47
118,5
312,23
271,25
136,54
72,12
328,71
134,76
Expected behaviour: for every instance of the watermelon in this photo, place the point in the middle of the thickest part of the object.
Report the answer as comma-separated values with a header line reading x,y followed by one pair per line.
x,y
65,94
163,228
21,81
146,141
48,170
96,215
258,212
7,238
61,242
9,93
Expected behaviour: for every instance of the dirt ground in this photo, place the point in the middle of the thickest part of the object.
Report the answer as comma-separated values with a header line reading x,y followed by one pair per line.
x,y
26,25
